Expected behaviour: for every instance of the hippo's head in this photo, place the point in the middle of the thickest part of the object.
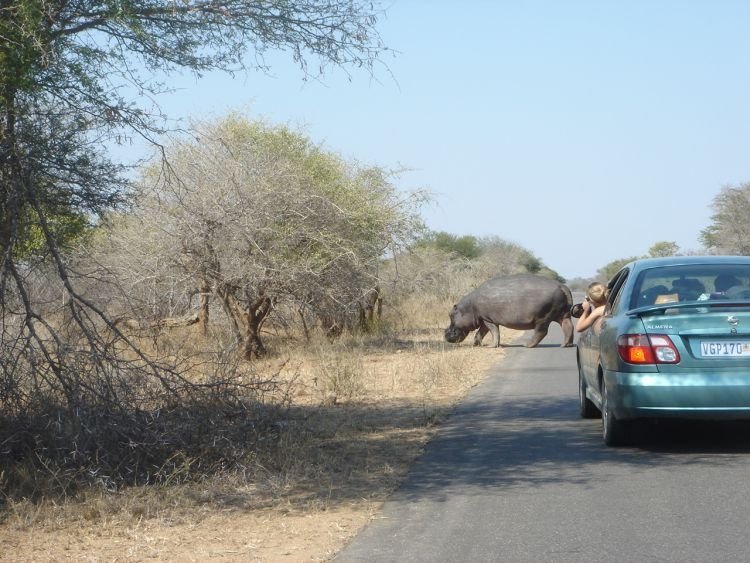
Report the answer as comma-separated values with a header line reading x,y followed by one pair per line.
x,y
461,325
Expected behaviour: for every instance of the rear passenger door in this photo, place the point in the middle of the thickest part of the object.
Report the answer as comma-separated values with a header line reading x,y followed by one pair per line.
x,y
617,304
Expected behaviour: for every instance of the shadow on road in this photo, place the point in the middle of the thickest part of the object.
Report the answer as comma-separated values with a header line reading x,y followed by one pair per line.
x,y
694,437
540,441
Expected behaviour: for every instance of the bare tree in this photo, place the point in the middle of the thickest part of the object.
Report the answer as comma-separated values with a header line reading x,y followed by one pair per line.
x,y
75,76
729,231
65,71
259,216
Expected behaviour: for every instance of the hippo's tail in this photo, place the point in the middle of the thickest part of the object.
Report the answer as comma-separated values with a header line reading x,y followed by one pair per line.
x,y
568,295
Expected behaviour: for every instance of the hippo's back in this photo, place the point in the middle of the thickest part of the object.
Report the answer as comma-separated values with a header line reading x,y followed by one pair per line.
x,y
519,300
512,286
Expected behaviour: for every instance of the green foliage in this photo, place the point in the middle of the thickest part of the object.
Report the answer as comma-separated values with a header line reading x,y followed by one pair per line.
x,y
532,264
606,272
663,248
25,36
514,259
435,267
466,246
548,272
65,227
351,207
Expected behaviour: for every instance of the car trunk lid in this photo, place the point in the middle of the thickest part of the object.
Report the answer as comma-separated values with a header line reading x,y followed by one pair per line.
x,y
705,337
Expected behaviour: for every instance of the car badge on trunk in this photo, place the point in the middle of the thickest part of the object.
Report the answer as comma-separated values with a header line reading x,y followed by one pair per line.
x,y
733,322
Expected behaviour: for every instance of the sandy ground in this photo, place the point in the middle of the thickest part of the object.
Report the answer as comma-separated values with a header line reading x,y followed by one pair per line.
x,y
285,530
218,536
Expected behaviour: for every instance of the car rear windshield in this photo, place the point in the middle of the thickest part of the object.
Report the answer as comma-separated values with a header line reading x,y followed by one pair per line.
x,y
691,283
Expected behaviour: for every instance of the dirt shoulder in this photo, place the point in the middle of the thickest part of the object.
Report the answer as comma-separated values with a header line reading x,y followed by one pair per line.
x,y
357,437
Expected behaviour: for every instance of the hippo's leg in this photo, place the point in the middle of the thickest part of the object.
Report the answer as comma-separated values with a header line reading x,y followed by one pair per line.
x,y
495,330
479,335
567,328
539,332
484,328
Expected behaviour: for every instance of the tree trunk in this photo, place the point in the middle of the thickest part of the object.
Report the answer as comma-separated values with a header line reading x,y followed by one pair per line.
x,y
252,348
305,328
204,309
232,310
246,320
371,303
257,311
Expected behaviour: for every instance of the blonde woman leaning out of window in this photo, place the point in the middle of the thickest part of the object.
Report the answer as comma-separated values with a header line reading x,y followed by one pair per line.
x,y
593,306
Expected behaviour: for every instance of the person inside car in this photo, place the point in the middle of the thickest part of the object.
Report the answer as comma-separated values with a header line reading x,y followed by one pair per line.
x,y
724,282
593,306
724,285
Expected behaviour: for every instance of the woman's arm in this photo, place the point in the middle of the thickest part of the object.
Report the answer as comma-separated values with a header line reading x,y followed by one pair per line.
x,y
589,317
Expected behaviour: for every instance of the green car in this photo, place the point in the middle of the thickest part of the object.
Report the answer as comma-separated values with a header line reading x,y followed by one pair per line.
x,y
674,342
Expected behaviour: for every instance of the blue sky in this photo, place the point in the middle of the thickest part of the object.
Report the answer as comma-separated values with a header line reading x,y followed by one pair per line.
x,y
585,131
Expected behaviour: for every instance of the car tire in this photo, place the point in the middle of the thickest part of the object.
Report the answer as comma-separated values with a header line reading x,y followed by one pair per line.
x,y
586,407
615,432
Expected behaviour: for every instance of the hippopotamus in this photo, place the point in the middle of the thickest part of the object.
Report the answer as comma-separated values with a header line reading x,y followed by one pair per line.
x,y
522,302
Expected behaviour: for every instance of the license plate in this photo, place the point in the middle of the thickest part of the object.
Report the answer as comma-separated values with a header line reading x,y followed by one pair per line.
x,y
724,348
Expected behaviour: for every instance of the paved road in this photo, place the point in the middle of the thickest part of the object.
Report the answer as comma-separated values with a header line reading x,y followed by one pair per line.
x,y
516,475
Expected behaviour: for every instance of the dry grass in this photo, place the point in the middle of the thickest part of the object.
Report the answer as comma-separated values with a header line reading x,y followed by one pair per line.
x,y
360,411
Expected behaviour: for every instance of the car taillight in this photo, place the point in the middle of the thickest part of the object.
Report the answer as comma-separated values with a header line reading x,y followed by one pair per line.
x,y
647,349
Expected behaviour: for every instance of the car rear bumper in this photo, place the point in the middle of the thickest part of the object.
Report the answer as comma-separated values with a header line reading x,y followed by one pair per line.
x,y
697,395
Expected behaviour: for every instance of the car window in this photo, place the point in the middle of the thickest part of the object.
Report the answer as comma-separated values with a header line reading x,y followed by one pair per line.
x,y
615,290
695,282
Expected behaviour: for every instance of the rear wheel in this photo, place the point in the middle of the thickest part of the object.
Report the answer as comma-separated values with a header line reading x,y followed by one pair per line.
x,y
615,432
586,407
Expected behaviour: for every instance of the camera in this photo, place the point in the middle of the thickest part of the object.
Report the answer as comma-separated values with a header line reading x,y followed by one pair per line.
x,y
576,310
